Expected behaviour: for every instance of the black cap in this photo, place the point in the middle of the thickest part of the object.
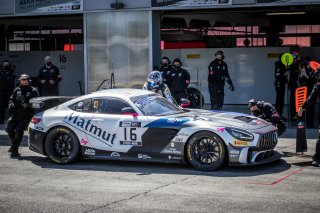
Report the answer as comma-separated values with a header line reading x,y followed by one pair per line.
x,y
24,77
252,102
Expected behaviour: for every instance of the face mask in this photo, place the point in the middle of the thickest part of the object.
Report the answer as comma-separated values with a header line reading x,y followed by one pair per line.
x,y
48,63
176,67
164,64
6,67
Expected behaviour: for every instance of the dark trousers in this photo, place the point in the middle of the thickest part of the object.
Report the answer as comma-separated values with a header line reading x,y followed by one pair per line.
x,y
281,91
310,116
216,96
4,98
50,91
316,156
177,95
15,129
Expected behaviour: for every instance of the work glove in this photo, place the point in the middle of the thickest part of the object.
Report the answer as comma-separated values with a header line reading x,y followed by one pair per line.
x,y
231,88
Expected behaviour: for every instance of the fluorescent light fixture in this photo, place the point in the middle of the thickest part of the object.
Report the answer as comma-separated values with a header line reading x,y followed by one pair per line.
x,y
285,13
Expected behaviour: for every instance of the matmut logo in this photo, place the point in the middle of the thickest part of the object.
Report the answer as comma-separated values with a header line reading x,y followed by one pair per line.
x,y
86,125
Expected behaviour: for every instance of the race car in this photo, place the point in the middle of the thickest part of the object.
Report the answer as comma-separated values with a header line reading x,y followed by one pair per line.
x,y
140,125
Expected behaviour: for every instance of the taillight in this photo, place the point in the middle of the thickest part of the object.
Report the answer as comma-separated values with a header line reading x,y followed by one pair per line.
x,y
35,120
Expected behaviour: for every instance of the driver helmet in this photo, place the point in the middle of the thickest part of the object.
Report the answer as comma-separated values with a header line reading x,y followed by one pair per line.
x,y
154,80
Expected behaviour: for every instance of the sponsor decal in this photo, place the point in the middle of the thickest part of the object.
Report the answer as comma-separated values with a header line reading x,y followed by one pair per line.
x,y
182,134
234,156
115,154
300,125
235,152
172,144
174,157
178,139
167,122
83,142
220,129
39,128
240,143
130,124
141,156
171,151
90,152
86,126
131,143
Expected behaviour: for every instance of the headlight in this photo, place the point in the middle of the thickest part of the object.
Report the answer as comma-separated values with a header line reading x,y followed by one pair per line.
x,y
240,134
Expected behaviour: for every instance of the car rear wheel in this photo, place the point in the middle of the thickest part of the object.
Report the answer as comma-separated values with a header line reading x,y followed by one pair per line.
x,y
206,151
62,146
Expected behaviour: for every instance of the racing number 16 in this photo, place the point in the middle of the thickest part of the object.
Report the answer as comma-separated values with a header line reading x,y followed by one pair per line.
x,y
133,136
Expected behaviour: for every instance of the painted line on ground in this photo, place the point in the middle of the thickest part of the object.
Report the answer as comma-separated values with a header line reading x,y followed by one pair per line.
x,y
277,181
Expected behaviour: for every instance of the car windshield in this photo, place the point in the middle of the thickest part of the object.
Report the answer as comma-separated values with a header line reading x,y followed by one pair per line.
x,y
155,104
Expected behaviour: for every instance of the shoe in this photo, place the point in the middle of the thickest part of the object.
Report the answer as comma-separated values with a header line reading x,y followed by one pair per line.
x,y
10,149
315,163
15,154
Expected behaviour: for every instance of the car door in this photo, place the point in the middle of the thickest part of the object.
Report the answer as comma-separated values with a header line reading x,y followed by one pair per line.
x,y
115,132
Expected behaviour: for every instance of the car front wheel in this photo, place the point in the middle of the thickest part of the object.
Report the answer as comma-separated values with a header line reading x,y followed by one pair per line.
x,y
62,146
206,151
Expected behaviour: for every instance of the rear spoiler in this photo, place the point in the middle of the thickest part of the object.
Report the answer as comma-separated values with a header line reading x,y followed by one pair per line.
x,y
43,103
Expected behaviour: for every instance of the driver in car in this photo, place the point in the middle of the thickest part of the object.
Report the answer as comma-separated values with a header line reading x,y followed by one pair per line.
x,y
155,83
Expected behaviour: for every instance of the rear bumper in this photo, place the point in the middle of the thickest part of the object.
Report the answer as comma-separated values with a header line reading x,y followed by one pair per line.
x,y
35,140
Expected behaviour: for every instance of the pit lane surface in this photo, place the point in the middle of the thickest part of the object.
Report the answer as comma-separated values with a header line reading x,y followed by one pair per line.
x,y
32,183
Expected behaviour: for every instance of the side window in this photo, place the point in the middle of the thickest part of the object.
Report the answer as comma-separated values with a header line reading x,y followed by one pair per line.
x,y
82,106
109,106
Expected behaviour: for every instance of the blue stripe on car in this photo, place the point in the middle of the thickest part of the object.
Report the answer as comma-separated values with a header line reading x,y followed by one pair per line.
x,y
167,122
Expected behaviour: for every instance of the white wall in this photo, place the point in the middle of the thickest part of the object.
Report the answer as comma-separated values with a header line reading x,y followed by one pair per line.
x,y
251,70
72,70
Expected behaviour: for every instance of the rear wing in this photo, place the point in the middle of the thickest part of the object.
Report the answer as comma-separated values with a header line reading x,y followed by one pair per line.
x,y
43,103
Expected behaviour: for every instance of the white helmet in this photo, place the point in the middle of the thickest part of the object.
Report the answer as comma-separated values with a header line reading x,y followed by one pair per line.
x,y
154,80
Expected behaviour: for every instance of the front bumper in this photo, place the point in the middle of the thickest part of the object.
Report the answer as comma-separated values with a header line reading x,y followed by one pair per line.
x,y
35,140
258,158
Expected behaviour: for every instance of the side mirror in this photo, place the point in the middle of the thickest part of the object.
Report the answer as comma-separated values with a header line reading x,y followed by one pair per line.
x,y
129,111
184,103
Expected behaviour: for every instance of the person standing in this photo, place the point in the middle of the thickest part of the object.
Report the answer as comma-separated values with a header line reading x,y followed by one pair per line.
x,y
280,85
294,69
7,80
21,112
312,98
218,74
180,79
49,77
166,70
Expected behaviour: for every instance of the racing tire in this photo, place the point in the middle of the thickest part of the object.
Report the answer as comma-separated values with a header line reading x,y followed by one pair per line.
x,y
62,146
195,97
206,151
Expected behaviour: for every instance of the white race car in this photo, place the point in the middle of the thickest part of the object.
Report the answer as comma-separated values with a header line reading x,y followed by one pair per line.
x,y
139,125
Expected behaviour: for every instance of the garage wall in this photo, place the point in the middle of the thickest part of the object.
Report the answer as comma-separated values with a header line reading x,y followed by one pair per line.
x,y
251,70
69,63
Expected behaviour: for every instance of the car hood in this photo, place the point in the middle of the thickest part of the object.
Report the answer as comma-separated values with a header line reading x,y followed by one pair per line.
x,y
225,119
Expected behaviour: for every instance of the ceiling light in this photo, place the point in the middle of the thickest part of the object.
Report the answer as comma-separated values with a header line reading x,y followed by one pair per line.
x,y
285,13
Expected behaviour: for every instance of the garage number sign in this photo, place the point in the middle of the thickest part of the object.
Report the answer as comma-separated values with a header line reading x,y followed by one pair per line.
x,y
287,59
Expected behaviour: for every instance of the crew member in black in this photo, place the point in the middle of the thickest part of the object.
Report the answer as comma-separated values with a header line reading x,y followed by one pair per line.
x,y
267,112
21,112
7,79
180,79
166,70
218,74
280,85
49,77
294,69
312,98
